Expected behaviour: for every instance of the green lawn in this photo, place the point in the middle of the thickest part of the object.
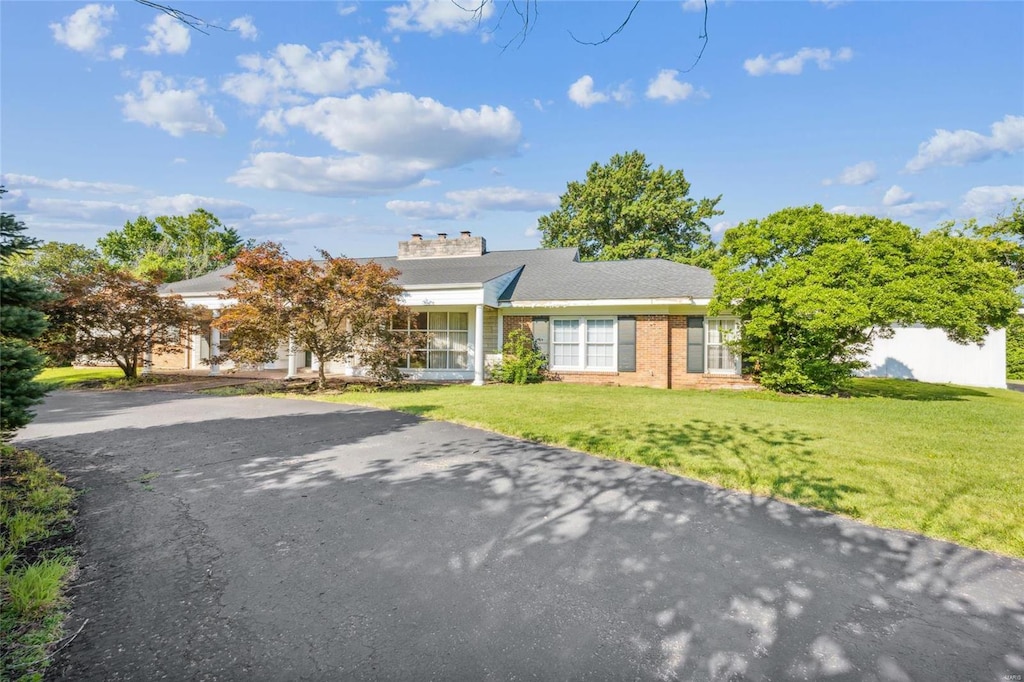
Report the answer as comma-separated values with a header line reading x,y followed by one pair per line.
x,y
67,377
946,461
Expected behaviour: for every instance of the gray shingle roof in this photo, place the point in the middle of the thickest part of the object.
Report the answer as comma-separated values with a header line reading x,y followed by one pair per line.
x,y
544,275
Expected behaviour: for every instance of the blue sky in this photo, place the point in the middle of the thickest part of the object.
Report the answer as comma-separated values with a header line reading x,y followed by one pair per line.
x,y
347,126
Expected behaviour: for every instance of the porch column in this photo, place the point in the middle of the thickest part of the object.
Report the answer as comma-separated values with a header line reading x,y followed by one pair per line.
x,y
292,361
478,347
214,346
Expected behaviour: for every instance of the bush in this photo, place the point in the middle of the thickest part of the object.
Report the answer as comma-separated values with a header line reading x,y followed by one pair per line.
x,y
521,362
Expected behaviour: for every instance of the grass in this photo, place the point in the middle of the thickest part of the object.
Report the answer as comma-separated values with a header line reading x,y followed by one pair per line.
x,y
98,377
36,562
945,461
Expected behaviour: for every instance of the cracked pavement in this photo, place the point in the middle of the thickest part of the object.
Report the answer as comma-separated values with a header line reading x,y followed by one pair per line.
x,y
262,539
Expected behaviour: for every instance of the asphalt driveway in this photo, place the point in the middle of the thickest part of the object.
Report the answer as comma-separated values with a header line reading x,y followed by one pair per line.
x,y
262,539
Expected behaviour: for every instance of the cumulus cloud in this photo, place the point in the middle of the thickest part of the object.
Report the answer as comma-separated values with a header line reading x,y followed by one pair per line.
x,y
463,204
159,102
246,28
88,212
896,195
430,210
778,63
398,125
858,174
667,86
437,17
990,200
719,228
292,71
582,93
328,176
919,210
345,9
961,147
167,34
66,185
504,199
85,29
118,52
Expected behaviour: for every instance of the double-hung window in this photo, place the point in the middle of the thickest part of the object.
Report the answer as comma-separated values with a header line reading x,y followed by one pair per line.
x,y
721,358
443,340
583,343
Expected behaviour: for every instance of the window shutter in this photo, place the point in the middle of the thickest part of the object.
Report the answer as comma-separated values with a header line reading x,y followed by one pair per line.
x,y
695,345
540,334
627,344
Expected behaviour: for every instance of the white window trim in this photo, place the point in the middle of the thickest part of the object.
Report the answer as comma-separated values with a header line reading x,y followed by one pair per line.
x,y
582,352
471,330
738,370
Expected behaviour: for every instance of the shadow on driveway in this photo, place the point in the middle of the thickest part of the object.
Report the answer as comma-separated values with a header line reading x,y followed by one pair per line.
x,y
272,539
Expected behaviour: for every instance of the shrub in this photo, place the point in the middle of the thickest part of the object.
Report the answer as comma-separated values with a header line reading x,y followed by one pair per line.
x,y
521,362
1015,348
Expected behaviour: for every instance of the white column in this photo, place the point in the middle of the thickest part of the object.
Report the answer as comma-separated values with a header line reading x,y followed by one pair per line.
x,y
292,360
478,347
214,346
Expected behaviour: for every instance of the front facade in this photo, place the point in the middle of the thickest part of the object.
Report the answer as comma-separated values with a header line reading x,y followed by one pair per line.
x,y
636,323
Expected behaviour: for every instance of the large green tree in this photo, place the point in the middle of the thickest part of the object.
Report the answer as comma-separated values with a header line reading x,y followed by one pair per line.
x,y
21,323
51,260
172,248
814,289
336,309
626,209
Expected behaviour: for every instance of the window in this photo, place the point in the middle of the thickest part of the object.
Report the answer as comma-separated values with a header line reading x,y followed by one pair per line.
x,y
720,358
583,343
443,340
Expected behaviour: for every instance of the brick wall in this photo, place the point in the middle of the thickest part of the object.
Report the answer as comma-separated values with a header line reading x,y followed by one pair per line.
x,y
660,357
510,323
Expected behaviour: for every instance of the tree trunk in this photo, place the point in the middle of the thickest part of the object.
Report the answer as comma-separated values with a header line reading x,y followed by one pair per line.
x,y
322,380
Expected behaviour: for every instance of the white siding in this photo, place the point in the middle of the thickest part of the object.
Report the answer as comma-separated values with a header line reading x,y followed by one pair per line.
x,y
927,355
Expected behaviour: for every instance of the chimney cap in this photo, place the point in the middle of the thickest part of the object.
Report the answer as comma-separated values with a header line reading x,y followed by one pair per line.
x,y
416,236
465,234
442,235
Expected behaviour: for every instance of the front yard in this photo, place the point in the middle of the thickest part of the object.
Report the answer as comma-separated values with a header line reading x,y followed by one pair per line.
x,y
945,461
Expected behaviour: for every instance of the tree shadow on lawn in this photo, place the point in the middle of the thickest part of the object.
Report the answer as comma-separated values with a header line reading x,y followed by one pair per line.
x,y
903,389
757,459
376,544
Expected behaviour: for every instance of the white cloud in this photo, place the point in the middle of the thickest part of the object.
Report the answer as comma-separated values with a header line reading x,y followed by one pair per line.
x,y
328,176
990,200
291,71
538,105
622,94
531,231
858,174
793,66
110,213
430,210
246,28
896,195
167,34
830,4
582,93
64,184
437,17
388,141
159,102
179,159
504,199
920,210
85,30
346,9
667,87
960,147
696,5
397,125
721,226
468,203
118,52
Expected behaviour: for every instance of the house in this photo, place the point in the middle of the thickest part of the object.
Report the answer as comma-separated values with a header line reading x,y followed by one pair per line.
x,y
633,322
630,322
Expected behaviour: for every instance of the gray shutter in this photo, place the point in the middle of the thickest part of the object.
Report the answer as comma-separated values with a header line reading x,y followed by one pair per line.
x,y
627,344
540,334
695,345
